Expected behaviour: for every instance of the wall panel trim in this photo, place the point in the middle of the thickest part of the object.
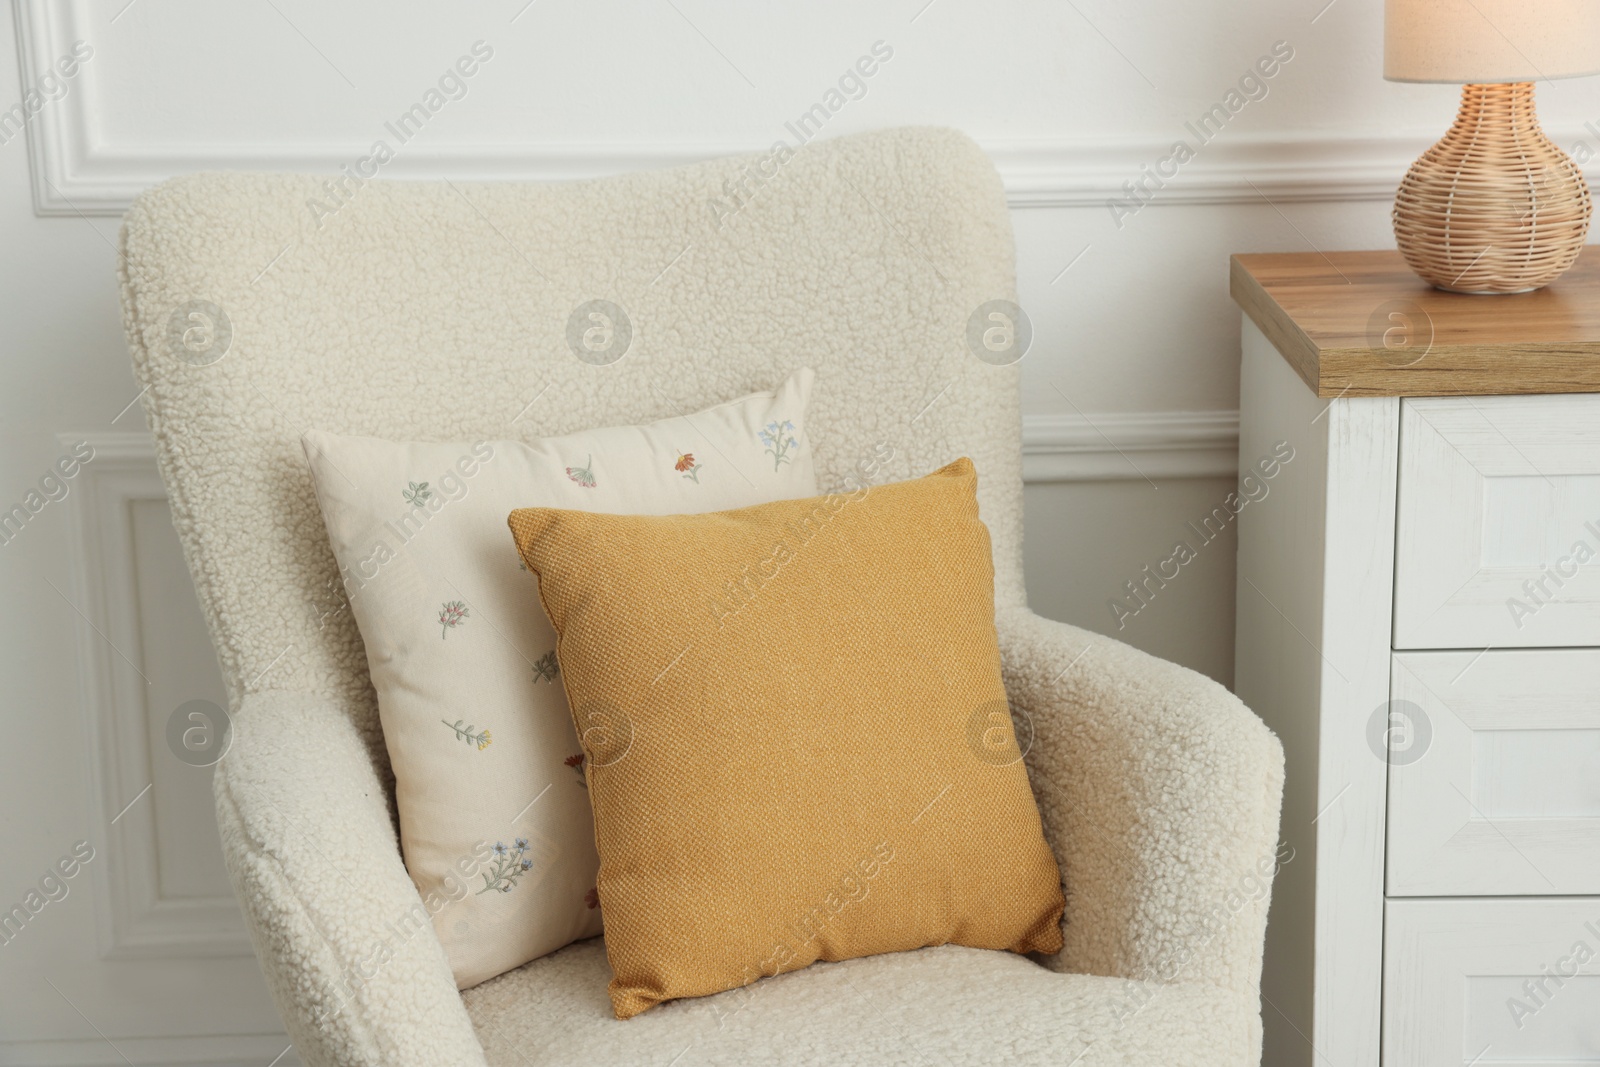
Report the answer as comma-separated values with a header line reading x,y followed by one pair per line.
x,y
134,918
1130,445
74,173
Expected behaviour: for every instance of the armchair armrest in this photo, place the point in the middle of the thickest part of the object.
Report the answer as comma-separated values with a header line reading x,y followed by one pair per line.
x,y
346,943
1160,795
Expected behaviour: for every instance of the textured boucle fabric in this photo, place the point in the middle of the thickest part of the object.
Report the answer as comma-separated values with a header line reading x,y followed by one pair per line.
x,y
439,312
798,744
934,1007
1160,794
346,943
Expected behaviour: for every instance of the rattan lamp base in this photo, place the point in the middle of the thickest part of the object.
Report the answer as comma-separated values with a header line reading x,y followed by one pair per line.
x,y
1495,206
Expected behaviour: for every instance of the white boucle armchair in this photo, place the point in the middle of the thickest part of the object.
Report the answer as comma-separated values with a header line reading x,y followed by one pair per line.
x,y
258,306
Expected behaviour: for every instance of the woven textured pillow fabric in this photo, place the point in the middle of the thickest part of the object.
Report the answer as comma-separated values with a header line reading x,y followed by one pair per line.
x,y
798,739
489,782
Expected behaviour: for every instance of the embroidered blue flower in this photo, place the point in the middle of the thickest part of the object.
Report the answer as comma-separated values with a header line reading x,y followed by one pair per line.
x,y
779,439
508,867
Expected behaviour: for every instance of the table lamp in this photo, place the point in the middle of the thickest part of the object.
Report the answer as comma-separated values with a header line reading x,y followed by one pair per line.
x,y
1495,206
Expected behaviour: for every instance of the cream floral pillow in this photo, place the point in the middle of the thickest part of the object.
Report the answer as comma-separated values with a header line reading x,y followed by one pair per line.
x,y
495,823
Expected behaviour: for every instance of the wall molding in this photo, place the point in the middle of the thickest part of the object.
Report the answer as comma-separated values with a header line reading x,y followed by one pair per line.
x,y
1130,445
74,173
133,916
134,920
84,180
1114,446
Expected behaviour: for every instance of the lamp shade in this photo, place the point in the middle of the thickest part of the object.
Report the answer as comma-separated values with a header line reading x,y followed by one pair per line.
x,y
1472,41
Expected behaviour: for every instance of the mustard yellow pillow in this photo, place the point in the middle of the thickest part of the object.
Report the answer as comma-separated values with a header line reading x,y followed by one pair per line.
x,y
794,734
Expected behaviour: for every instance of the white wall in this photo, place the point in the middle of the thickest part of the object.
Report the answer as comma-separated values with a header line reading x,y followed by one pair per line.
x,y
1130,387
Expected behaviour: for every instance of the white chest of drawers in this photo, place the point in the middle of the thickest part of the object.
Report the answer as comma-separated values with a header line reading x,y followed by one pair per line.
x,y
1419,620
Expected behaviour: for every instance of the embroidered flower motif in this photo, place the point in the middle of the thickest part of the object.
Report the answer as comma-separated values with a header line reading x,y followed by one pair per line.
x,y
509,865
547,668
451,614
592,898
469,734
416,493
583,475
779,439
688,467
576,763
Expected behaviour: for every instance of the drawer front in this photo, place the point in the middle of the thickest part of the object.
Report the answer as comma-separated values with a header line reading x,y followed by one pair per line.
x,y
1494,773
1467,982
1498,540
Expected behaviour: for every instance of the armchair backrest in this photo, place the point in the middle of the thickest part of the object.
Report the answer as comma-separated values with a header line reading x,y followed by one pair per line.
x,y
258,306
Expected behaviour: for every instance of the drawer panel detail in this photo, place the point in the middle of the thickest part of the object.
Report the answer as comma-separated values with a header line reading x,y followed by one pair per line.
x,y
1491,982
1498,542
1496,787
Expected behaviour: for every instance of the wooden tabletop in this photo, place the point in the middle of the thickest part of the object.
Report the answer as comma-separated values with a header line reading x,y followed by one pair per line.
x,y
1361,324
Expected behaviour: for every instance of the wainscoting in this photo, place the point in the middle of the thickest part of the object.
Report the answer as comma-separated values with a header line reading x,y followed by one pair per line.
x,y
161,896
1129,389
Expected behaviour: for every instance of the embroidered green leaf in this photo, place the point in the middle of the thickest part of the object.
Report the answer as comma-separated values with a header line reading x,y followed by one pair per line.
x,y
465,731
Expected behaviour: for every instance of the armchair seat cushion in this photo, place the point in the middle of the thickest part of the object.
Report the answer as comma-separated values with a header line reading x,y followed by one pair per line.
x,y
921,1007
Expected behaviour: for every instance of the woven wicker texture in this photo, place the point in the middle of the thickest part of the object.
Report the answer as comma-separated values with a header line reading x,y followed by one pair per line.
x,y
796,734
1495,206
